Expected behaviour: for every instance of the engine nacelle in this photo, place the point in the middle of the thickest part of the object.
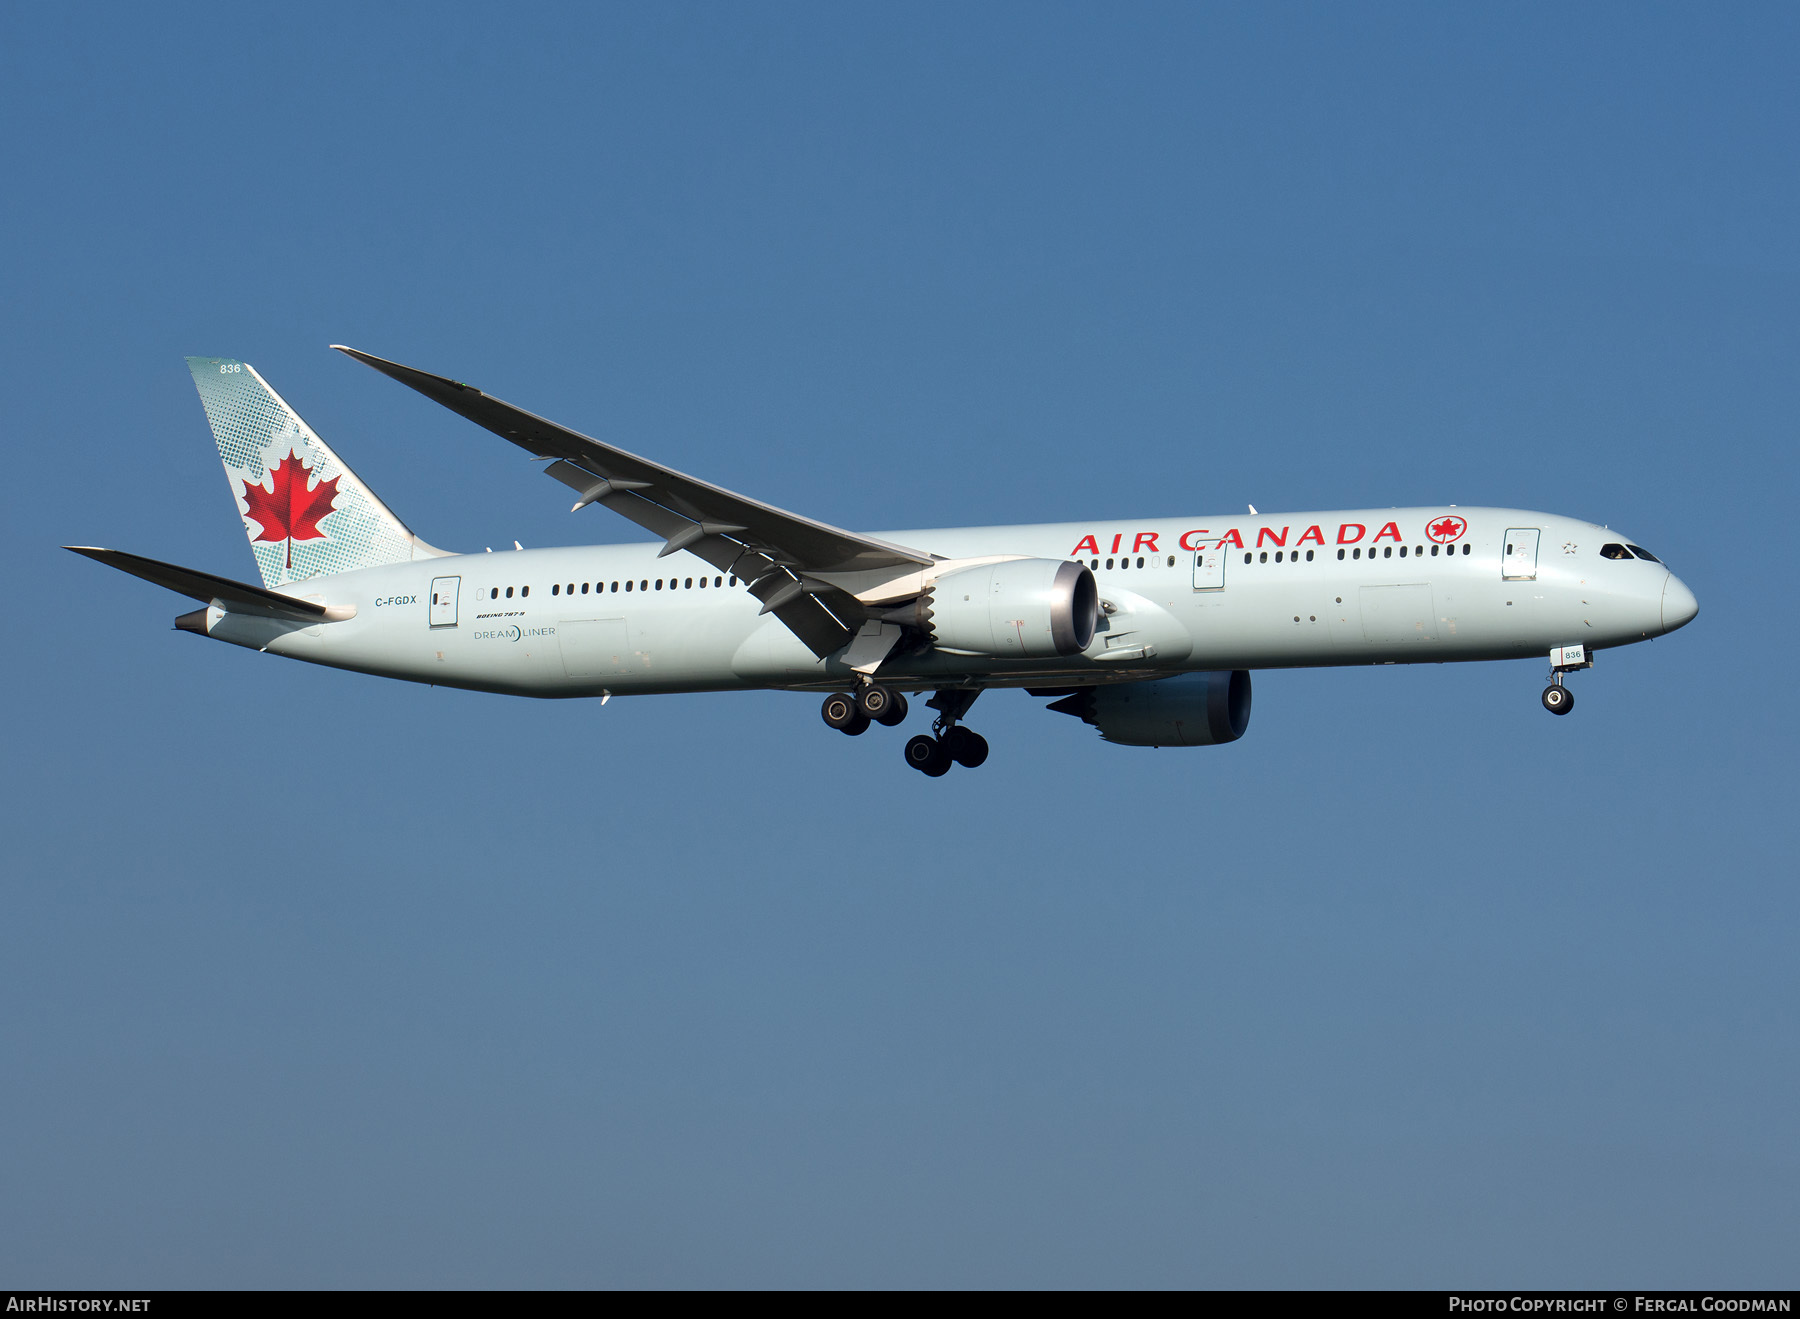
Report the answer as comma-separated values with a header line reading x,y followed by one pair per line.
x,y
1019,609
1192,710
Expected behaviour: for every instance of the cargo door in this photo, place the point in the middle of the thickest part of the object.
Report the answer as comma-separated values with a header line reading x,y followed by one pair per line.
x,y
594,647
1398,615
444,591
1519,562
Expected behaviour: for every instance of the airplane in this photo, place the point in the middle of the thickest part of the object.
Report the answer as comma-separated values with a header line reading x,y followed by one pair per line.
x,y
1146,629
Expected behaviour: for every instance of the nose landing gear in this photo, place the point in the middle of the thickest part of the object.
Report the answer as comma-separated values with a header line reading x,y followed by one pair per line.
x,y
1557,698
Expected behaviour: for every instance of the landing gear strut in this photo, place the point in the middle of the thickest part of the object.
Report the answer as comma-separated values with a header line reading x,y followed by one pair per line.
x,y
952,743
1557,698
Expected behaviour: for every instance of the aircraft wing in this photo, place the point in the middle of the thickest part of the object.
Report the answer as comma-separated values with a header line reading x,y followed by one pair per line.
x,y
240,597
772,550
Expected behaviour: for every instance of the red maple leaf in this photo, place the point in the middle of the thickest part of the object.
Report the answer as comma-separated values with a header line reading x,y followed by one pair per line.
x,y
291,511
1448,529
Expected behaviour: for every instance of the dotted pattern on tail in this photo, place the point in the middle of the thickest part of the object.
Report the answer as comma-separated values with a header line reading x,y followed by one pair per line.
x,y
255,429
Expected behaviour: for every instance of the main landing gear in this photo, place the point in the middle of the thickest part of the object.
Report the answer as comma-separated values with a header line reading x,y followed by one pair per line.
x,y
853,714
955,745
948,743
952,743
1557,698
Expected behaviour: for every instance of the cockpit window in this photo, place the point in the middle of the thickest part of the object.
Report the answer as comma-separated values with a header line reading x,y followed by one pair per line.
x,y
1643,553
1614,551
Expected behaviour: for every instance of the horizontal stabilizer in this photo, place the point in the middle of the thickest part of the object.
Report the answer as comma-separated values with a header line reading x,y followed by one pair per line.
x,y
237,597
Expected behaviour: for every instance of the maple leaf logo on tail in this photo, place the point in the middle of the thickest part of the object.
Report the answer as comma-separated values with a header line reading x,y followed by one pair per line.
x,y
292,510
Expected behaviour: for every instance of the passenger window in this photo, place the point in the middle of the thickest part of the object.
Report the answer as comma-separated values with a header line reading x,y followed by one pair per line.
x,y
1095,565
1388,553
1403,551
556,589
1309,555
509,593
1264,558
584,588
629,585
494,594
1434,551
1171,560
1340,554
690,585
1109,565
524,591
1140,561
1465,549
1614,552
1355,553
1643,553
719,580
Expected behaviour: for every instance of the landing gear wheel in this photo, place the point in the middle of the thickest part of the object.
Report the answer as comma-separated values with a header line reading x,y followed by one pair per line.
x,y
967,749
896,712
927,755
875,702
1558,700
840,711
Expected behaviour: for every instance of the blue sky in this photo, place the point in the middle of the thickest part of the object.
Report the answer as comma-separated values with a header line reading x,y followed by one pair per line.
x,y
312,979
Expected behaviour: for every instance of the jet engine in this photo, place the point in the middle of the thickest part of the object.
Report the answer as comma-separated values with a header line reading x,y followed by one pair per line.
x,y
1018,609
1192,710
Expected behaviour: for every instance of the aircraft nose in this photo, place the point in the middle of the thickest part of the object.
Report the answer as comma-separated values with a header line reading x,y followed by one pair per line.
x,y
1678,604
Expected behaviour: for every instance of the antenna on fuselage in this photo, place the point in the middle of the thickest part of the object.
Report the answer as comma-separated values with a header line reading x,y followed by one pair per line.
x,y
1253,512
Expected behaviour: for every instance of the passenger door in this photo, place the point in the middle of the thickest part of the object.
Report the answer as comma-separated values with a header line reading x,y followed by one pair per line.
x,y
1519,562
444,591
1209,569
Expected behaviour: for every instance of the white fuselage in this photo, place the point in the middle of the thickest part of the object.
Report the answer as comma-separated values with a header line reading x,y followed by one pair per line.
x,y
1271,591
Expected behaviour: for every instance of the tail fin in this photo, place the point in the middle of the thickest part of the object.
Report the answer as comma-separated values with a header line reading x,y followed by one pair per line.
x,y
305,512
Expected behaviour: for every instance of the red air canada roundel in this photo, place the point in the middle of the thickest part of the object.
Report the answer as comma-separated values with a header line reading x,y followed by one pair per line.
x,y
1446,529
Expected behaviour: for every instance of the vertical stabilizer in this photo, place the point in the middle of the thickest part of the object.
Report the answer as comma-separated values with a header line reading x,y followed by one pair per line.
x,y
306,514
